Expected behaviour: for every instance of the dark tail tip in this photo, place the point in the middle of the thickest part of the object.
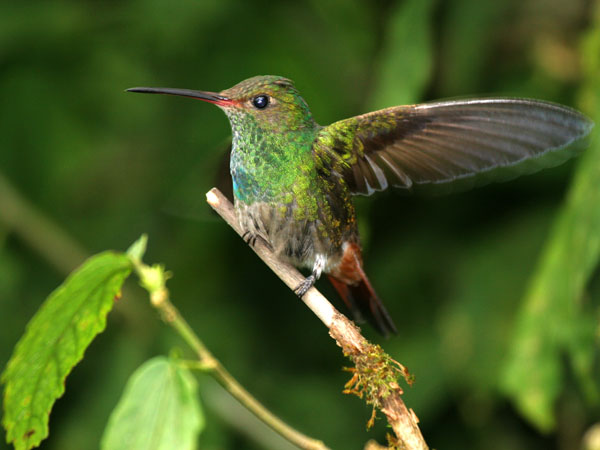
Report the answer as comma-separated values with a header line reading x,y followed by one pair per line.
x,y
362,301
377,313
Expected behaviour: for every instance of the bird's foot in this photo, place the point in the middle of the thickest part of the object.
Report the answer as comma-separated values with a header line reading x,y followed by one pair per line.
x,y
251,238
305,285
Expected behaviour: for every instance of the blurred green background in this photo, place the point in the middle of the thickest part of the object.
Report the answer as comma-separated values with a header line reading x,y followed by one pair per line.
x,y
455,272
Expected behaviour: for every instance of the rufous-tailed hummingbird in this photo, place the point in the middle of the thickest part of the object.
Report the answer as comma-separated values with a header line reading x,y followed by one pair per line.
x,y
293,179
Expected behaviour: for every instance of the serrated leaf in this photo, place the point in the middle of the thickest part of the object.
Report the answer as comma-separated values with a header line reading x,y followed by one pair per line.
x,y
555,319
406,60
159,410
54,342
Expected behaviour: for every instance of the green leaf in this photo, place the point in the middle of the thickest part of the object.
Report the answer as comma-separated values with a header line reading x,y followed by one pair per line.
x,y
159,410
54,342
406,59
556,318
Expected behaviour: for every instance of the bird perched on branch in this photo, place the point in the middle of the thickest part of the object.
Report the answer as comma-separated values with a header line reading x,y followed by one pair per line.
x,y
293,179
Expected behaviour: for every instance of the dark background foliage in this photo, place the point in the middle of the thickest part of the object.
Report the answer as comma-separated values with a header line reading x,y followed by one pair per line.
x,y
106,166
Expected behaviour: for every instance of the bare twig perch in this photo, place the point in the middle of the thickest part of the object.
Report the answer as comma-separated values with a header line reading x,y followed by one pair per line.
x,y
375,372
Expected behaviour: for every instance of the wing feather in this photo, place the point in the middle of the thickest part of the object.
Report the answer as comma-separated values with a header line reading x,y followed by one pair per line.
x,y
481,140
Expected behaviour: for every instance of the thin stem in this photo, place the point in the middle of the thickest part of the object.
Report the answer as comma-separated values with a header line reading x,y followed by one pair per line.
x,y
159,296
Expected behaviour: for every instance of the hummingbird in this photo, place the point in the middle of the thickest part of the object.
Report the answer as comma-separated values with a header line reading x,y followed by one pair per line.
x,y
294,180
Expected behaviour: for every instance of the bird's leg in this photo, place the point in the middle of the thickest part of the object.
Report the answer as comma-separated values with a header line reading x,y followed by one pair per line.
x,y
305,285
310,280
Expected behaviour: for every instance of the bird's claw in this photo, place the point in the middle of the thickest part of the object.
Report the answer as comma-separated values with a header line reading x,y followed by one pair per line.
x,y
250,238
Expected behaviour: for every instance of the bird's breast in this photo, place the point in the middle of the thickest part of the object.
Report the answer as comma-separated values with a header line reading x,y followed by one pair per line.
x,y
280,196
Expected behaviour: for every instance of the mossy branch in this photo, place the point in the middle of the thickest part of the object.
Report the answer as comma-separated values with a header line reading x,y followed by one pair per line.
x,y
375,374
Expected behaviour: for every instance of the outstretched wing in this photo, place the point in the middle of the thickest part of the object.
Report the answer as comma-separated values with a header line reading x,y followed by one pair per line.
x,y
459,143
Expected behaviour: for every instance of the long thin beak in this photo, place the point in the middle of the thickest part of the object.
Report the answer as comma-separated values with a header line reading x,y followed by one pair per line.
x,y
210,97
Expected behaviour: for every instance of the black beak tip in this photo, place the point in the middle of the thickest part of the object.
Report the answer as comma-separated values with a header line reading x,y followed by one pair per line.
x,y
138,89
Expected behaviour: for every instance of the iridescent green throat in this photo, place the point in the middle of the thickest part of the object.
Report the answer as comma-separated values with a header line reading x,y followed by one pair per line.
x,y
274,166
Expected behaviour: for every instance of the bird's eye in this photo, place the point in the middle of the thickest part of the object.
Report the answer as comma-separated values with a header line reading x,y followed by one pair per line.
x,y
260,101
